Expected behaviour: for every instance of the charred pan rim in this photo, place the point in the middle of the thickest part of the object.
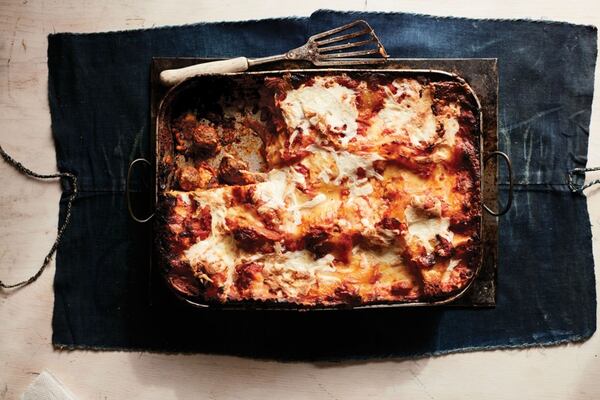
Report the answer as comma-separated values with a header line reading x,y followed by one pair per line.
x,y
164,176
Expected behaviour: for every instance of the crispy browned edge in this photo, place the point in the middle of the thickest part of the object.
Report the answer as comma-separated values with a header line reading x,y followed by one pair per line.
x,y
165,173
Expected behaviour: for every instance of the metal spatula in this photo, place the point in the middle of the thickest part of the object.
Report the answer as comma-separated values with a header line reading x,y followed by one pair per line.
x,y
321,49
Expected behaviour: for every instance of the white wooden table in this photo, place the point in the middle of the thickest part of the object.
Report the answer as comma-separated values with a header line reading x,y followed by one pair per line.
x,y
28,220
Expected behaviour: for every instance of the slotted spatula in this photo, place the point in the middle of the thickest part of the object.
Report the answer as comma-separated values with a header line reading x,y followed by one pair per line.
x,y
321,49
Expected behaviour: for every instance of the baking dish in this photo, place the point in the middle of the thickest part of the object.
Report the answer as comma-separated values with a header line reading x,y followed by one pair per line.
x,y
190,90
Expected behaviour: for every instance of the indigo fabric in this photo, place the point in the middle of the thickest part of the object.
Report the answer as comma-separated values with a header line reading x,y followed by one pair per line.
x,y
105,297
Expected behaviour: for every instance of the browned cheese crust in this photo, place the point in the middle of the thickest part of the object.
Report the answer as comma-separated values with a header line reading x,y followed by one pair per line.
x,y
323,190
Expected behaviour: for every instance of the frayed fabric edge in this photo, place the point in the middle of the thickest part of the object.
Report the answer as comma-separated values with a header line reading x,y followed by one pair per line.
x,y
316,13
168,27
451,17
574,339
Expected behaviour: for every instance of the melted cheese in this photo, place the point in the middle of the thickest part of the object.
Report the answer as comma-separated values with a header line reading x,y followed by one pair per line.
x,y
349,163
318,199
301,260
443,150
294,273
325,106
274,190
406,116
215,254
296,177
451,127
424,228
448,273
409,117
218,210
364,210
185,197
388,256
363,189
280,192
344,164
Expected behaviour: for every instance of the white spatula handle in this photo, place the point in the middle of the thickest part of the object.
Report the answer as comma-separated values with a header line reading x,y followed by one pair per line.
x,y
171,77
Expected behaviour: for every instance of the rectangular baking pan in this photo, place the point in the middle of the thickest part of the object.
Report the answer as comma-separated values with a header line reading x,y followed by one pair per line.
x,y
475,293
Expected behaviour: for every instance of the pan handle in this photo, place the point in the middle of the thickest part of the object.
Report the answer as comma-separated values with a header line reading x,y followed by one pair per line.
x,y
127,192
510,184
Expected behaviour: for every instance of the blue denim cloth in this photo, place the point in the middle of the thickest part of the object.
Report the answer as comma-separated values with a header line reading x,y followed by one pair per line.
x,y
99,101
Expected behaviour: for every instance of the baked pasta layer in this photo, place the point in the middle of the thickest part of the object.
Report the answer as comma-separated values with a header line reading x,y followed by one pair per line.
x,y
325,190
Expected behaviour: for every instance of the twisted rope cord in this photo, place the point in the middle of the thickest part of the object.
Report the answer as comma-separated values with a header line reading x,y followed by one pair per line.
x,y
21,168
575,188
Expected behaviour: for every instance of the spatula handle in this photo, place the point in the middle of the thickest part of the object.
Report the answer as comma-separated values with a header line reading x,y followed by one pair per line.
x,y
171,77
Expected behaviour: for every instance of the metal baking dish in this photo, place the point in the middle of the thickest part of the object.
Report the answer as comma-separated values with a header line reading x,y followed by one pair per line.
x,y
164,146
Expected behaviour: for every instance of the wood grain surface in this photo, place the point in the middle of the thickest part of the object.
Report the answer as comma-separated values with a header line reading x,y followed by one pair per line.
x,y
28,221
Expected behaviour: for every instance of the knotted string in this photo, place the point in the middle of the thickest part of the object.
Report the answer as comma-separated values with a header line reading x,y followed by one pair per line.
x,y
579,188
21,168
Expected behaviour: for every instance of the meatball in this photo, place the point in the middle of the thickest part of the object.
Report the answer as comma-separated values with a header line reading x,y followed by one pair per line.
x,y
195,137
235,172
188,178
191,178
208,176
205,140
184,126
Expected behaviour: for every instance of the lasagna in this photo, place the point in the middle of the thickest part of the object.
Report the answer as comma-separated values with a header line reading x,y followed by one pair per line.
x,y
323,190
